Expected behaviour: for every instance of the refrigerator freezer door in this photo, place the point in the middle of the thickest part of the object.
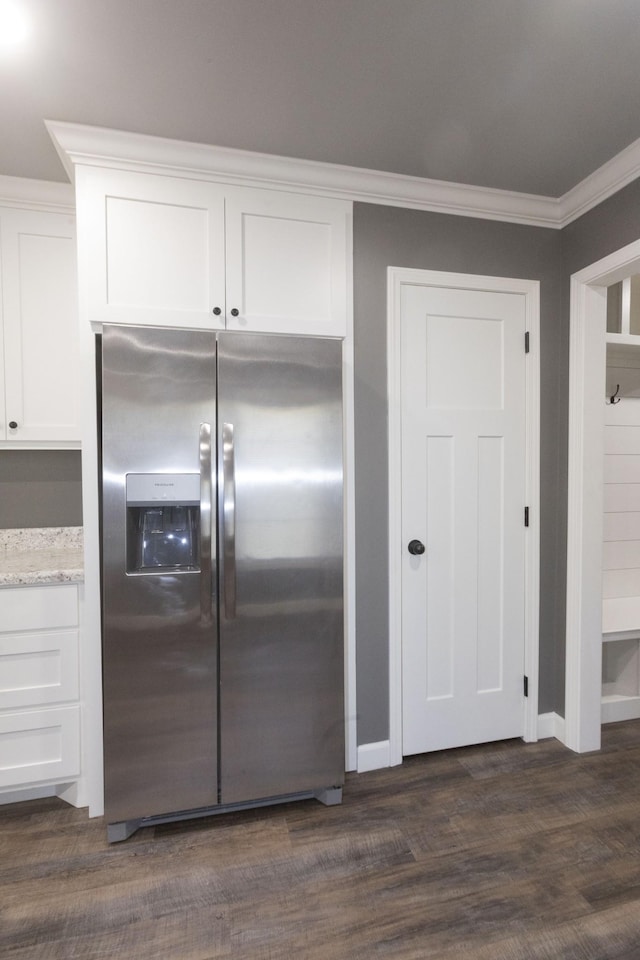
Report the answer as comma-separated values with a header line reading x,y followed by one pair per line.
x,y
159,643
280,517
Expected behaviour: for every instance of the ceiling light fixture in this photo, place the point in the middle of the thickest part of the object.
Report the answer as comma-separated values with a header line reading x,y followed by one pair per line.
x,y
14,25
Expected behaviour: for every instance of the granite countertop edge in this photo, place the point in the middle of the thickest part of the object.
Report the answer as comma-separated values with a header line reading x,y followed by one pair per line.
x,y
41,555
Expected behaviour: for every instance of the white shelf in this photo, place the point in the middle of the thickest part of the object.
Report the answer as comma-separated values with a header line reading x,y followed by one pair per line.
x,y
623,339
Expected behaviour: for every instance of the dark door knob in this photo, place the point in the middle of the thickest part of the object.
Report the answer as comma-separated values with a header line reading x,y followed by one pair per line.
x,y
235,313
217,311
13,425
416,547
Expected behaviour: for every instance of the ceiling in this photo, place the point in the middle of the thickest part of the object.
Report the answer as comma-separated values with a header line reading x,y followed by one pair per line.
x,y
524,95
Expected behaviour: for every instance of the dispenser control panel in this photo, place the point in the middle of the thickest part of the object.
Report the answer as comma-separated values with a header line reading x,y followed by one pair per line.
x,y
149,488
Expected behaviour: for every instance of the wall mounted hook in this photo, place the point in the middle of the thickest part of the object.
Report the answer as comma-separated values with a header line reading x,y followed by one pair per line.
x,y
615,398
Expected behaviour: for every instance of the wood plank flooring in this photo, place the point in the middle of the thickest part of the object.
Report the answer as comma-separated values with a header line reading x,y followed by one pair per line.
x,y
508,851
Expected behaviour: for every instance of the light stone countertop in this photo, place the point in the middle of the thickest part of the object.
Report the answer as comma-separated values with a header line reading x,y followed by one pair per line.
x,y
41,555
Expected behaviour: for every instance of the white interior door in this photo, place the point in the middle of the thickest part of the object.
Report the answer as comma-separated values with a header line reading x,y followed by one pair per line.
x,y
463,441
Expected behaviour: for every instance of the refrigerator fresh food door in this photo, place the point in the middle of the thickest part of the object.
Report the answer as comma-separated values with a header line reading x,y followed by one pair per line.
x,y
159,620
280,518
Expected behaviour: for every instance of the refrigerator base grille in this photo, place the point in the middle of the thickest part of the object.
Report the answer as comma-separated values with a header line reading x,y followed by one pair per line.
x,y
329,796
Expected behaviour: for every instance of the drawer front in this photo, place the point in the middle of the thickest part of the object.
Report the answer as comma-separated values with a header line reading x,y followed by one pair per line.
x,y
39,745
38,669
38,608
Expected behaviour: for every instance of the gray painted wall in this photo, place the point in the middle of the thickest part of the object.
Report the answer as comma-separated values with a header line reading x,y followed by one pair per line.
x,y
387,236
40,488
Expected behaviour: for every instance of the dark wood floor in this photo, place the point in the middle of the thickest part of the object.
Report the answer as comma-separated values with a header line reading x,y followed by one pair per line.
x,y
501,852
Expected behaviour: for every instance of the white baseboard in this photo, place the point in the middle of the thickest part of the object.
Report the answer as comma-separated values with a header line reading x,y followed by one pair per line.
x,y
72,793
550,725
29,793
615,709
374,756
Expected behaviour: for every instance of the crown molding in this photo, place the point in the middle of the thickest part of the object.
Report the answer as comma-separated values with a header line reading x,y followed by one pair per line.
x,y
97,146
612,176
43,195
117,149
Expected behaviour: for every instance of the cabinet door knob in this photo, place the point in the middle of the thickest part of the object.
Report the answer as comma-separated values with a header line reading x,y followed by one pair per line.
x,y
217,311
235,313
13,425
416,548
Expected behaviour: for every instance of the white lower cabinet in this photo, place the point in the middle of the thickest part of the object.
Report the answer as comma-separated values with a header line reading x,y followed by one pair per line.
x,y
39,687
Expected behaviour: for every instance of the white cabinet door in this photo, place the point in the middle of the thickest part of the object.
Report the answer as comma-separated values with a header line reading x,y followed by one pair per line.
x,y
286,262
166,251
151,249
39,302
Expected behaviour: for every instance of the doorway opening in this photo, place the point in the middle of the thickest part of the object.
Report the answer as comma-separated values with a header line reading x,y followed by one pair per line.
x,y
587,366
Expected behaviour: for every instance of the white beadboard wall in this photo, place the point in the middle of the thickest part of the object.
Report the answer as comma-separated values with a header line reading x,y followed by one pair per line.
x,y
621,548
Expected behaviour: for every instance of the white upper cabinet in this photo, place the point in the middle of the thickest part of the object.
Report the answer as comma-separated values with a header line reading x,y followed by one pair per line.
x,y
38,399
286,263
169,251
151,249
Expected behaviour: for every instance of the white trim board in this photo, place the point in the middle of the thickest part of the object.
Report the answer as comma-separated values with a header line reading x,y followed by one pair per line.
x,y
612,176
396,277
550,725
37,195
373,756
98,146
377,756
587,359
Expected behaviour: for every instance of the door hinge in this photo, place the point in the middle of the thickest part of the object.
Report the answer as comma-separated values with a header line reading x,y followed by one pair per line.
x,y
526,342
526,686
526,516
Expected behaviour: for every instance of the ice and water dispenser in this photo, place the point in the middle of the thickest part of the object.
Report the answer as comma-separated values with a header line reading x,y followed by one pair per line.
x,y
163,522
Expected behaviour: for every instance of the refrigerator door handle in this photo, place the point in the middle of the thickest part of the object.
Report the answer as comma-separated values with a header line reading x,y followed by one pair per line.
x,y
206,490
229,520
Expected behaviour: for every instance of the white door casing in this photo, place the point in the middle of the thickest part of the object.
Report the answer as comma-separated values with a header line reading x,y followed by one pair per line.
x,y
587,363
450,409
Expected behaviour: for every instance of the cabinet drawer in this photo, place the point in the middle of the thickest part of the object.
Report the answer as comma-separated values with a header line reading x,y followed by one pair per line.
x,y
38,669
38,608
39,745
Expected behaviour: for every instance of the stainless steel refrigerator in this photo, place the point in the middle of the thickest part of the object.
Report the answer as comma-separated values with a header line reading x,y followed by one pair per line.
x,y
222,572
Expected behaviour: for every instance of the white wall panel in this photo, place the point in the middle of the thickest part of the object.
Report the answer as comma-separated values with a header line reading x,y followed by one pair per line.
x,y
621,497
621,583
622,439
622,469
621,554
621,526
